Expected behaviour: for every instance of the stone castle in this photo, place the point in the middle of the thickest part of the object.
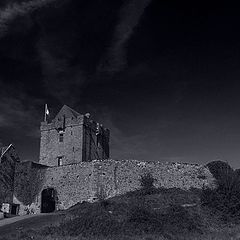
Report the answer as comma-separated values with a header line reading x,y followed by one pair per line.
x,y
72,138
74,166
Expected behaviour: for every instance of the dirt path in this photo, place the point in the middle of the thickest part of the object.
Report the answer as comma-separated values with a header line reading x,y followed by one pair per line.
x,y
14,225
7,221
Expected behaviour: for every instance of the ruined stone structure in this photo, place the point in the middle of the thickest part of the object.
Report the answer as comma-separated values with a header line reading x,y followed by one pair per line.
x,y
74,166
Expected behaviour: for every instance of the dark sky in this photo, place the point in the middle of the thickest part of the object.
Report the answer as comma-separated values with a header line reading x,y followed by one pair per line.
x,y
163,77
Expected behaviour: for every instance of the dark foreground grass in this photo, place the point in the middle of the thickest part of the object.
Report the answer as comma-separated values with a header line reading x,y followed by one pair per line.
x,y
139,221
131,216
136,215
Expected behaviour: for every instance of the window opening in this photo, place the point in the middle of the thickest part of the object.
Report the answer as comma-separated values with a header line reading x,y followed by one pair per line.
x,y
60,137
60,161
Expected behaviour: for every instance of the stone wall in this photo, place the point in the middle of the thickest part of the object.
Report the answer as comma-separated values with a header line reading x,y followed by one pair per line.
x,y
71,146
28,184
85,181
7,170
118,177
72,184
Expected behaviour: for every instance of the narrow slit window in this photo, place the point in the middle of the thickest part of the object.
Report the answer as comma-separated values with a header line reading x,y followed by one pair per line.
x,y
61,137
60,161
98,140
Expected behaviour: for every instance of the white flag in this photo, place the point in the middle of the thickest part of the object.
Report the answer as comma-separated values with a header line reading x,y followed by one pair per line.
x,y
46,110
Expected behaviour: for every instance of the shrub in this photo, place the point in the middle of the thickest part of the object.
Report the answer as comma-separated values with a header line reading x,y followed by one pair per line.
x,y
101,194
225,199
220,170
147,183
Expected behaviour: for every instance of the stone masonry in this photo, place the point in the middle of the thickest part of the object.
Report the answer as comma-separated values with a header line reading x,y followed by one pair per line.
x,y
72,138
8,161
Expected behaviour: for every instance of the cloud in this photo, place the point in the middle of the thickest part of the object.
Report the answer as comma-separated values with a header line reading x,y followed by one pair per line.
x,y
62,79
129,17
62,50
123,146
12,11
129,146
20,117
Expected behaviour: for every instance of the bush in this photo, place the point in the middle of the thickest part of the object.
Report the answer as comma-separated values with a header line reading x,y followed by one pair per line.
x,y
220,170
225,199
101,194
147,183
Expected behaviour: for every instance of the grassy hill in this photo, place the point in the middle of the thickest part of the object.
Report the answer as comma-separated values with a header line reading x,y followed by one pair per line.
x,y
152,214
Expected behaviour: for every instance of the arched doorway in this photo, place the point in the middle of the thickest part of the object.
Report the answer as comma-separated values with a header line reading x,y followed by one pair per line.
x,y
48,203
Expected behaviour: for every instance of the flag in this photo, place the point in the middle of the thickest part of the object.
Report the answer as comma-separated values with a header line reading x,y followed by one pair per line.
x,y
46,110
98,129
46,113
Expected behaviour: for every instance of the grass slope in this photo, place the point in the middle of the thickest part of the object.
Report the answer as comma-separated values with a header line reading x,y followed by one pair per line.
x,y
149,215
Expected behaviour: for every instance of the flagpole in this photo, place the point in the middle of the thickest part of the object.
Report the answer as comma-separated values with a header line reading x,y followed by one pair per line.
x,y
45,113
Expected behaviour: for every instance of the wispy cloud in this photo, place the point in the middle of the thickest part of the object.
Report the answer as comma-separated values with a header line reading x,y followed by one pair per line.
x,y
62,79
129,17
129,146
19,117
12,11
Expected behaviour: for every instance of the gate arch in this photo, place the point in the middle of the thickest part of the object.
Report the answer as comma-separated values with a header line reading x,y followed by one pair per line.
x,y
48,200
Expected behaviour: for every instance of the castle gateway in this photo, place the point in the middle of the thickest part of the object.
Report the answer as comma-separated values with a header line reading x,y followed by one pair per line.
x,y
74,166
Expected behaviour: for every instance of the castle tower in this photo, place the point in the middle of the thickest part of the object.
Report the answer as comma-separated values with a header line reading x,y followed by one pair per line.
x,y
72,138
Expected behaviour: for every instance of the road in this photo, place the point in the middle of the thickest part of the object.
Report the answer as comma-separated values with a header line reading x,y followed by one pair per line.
x,y
16,224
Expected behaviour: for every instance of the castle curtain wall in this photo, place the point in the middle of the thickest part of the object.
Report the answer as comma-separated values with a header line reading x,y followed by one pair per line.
x,y
71,184
119,177
85,181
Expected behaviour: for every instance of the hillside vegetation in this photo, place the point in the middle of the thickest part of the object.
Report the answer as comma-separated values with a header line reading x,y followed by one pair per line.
x,y
150,213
